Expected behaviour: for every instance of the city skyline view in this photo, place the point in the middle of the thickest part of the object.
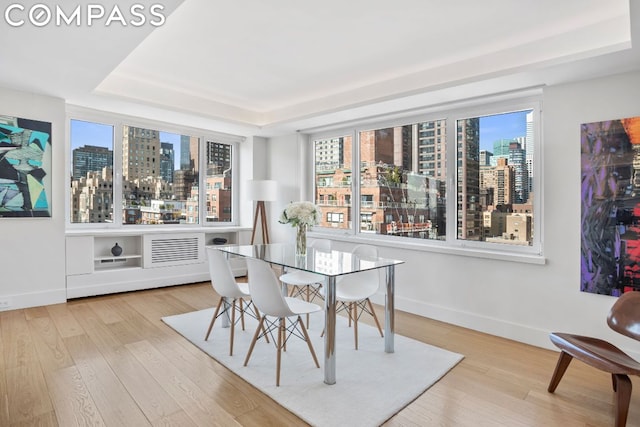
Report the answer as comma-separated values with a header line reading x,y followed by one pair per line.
x,y
492,128
160,176
403,178
502,126
90,133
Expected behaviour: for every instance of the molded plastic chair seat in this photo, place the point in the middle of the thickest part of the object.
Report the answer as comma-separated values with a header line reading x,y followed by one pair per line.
x,y
354,290
304,283
302,278
267,296
233,295
624,318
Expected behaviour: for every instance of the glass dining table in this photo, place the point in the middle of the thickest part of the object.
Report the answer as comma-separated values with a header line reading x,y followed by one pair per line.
x,y
331,264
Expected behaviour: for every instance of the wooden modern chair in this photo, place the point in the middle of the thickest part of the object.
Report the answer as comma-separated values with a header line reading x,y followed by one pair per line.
x,y
233,295
305,284
623,318
276,311
354,290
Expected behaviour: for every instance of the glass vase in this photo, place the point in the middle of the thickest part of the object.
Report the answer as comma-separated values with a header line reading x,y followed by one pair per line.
x,y
301,240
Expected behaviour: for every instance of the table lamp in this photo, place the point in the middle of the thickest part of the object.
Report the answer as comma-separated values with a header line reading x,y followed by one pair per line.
x,y
262,190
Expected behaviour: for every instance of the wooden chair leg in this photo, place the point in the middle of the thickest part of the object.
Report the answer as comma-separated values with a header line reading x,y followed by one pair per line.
x,y
281,330
253,341
623,397
213,319
233,326
306,337
308,298
264,330
355,322
242,312
284,335
561,367
375,318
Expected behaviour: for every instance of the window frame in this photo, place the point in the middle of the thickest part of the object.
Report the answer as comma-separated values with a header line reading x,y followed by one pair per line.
x,y
452,112
118,122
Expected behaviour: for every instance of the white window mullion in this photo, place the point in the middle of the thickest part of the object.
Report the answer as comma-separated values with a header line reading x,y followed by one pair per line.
x,y
202,190
355,183
117,173
452,180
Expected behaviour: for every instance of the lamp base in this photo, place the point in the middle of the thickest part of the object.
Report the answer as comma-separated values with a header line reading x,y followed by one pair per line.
x,y
262,213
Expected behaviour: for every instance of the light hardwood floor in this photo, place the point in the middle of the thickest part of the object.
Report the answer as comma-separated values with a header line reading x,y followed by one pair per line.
x,y
110,361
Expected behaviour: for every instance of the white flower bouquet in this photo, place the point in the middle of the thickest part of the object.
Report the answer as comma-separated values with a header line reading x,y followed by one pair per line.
x,y
300,213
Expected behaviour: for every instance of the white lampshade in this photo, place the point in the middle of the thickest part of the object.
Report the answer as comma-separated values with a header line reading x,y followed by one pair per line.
x,y
262,189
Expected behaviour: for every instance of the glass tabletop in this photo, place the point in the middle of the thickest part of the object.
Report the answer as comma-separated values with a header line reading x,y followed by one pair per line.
x,y
326,262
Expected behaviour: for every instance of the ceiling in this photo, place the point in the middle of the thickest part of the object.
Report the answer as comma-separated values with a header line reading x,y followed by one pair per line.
x,y
266,68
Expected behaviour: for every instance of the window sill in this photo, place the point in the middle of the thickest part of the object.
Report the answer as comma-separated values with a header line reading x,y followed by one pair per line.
x,y
527,258
151,229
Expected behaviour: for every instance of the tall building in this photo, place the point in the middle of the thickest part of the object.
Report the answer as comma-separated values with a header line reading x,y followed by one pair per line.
x,y
183,181
329,154
500,150
469,223
185,149
377,147
402,146
91,197
194,150
218,203
517,159
485,158
218,157
140,153
499,182
167,158
529,148
431,156
90,158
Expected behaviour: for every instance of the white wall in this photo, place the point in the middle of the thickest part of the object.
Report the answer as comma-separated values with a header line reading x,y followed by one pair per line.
x,y
32,250
516,300
284,166
252,165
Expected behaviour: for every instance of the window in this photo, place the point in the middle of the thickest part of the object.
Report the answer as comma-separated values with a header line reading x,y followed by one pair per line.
x,y
159,179
91,193
335,218
495,178
333,180
400,183
455,177
218,177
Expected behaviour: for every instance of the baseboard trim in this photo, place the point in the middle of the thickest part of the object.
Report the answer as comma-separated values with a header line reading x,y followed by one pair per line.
x,y
485,324
33,299
134,285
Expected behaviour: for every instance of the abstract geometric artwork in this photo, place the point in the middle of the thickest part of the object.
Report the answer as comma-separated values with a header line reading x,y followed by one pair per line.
x,y
25,165
610,219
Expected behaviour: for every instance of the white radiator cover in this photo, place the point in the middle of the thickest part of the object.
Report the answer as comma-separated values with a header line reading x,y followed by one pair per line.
x,y
165,250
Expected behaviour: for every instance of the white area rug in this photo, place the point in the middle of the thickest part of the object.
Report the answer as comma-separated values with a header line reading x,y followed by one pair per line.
x,y
371,385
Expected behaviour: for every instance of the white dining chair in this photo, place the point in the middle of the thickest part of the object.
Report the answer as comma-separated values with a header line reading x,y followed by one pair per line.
x,y
276,310
354,290
305,284
233,295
